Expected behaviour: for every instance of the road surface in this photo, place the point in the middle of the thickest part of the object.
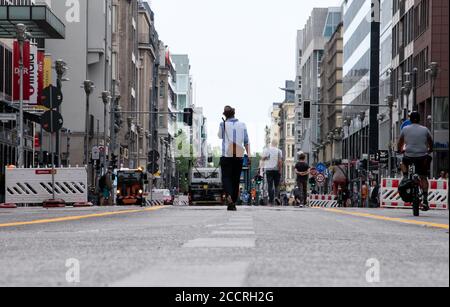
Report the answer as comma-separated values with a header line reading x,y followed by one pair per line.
x,y
208,246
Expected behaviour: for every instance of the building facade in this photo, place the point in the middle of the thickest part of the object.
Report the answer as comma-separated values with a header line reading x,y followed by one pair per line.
x,y
147,83
431,45
298,91
318,29
331,99
361,78
168,116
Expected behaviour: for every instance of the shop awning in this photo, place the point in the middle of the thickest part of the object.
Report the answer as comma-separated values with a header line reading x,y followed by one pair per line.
x,y
39,20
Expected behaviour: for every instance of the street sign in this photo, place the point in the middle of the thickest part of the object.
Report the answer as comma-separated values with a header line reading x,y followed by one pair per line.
x,y
8,117
52,121
383,156
95,153
320,179
314,172
51,97
321,168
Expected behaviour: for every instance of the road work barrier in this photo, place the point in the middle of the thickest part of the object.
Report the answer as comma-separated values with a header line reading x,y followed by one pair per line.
x,y
155,199
34,185
323,201
181,201
390,198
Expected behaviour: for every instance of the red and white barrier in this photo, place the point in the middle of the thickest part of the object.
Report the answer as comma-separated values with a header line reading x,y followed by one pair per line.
x,y
323,201
437,194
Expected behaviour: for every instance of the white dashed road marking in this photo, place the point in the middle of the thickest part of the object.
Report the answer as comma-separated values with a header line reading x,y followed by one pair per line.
x,y
189,275
221,243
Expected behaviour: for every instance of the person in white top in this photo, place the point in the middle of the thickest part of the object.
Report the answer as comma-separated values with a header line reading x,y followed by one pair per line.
x,y
273,164
235,143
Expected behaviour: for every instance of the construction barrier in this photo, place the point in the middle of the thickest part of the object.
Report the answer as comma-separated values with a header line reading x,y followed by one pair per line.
x,y
323,201
155,199
34,186
181,201
390,198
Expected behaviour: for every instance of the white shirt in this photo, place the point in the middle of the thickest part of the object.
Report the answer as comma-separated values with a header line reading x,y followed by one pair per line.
x,y
273,156
235,132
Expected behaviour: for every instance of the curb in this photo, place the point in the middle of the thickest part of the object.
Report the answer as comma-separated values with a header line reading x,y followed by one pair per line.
x,y
8,206
54,203
83,205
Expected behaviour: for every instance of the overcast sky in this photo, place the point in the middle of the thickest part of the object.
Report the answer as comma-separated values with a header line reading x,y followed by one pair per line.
x,y
241,52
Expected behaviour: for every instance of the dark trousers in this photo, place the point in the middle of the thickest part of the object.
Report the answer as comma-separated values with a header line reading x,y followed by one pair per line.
x,y
303,189
231,176
273,182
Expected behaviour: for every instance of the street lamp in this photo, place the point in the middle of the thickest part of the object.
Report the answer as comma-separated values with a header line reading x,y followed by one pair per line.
x,y
362,117
390,103
88,89
433,70
21,32
348,124
106,96
407,91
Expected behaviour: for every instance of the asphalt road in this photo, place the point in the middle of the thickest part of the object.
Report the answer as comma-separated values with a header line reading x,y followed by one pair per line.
x,y
207,246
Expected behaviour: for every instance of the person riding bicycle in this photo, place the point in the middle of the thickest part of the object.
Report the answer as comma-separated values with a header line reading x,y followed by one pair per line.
x,y
416,143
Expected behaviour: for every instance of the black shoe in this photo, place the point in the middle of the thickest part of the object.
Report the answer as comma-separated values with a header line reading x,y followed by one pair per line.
x,y
232,208
425,207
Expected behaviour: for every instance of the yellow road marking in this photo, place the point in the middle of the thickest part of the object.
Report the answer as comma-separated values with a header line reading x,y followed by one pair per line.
x,y
76,218
390,219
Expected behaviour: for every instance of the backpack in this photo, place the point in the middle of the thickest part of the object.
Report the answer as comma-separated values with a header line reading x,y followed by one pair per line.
x,y
406,190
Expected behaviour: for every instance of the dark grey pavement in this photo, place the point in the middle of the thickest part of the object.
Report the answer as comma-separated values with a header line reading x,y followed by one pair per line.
x,y
207,246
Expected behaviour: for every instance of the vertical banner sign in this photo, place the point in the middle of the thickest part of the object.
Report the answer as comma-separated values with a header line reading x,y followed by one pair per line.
x,y
47,71
40,75
33,75
26,71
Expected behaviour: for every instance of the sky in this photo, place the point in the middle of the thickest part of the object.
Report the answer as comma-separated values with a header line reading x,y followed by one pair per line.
x,y
241,53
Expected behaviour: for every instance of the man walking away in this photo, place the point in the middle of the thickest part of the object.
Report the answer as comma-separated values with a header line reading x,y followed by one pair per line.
x,y
375,195
417,144
235,142
273,164
302,170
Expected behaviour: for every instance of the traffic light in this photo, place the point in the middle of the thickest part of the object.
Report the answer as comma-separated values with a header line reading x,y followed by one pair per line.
x,y
153,168
188,116
307,109
114,161
363,164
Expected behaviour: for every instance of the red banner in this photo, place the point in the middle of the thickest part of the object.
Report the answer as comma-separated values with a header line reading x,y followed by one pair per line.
x,y
26,71
40,79
37,141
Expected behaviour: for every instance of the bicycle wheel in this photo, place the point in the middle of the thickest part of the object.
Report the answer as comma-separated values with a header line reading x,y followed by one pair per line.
x,y
416,203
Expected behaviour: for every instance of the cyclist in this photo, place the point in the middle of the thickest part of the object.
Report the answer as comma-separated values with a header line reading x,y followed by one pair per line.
x,y
416,143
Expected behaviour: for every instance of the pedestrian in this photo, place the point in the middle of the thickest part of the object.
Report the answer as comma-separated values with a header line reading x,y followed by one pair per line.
x,y
235,143
443,176
364,193
105,187
339,177
302,170
375,194
273,165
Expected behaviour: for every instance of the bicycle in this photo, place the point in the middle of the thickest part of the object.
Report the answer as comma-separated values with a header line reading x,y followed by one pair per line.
x,y
412,190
